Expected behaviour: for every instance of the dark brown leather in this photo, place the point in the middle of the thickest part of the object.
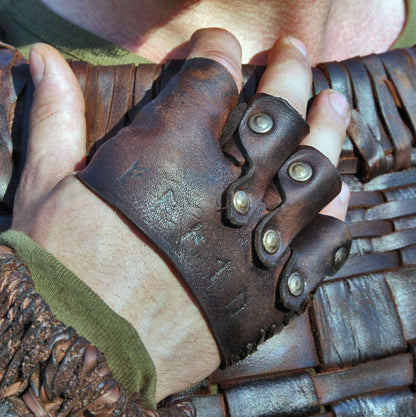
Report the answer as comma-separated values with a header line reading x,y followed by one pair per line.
x,y
166,172
357,340
46,369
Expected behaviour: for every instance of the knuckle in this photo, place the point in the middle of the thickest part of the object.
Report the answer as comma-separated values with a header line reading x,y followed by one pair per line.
x,y
222,58
42,111
47,111
292,80
332,126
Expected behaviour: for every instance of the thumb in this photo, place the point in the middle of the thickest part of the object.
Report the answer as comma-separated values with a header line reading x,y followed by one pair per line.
x,y
221,46
57,135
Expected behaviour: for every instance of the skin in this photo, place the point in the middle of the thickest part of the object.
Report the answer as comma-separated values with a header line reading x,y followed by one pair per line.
x,y
146,291
160,29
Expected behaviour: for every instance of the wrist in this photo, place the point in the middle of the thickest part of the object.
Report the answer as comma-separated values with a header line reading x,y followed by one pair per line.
x,y
74,304
143,288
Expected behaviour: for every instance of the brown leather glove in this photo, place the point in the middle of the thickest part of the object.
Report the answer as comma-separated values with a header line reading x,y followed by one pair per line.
x,y
241,223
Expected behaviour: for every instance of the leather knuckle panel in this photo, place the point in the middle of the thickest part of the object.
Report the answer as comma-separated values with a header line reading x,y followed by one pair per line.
x,y
269,132
186,199
319,250
302,199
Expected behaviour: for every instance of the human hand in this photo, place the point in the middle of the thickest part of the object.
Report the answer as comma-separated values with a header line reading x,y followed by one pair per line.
x,y
96,242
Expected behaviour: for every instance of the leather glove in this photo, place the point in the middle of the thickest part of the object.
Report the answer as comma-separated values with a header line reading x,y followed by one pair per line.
x,y
229,198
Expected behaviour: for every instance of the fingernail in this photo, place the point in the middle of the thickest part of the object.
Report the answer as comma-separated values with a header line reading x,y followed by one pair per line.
x,y
299,45
339,103
37,67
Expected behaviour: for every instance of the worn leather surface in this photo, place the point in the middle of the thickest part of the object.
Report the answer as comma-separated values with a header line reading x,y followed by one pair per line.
x,y
356,338
167,174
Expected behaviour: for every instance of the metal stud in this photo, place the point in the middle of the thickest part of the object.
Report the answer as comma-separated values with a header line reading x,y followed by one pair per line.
x,y
241,202
271,241
260,123
296,284
300,171
340,257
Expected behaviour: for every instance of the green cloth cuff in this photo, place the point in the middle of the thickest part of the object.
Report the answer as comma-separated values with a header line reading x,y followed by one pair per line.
x,y
26,22
408,37
76,305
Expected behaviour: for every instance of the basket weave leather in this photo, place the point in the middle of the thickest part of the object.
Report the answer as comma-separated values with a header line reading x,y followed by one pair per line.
x,y
352,352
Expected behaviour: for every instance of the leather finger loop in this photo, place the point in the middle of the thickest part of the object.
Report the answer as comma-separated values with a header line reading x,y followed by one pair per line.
x,y
269,131
319,250
307,181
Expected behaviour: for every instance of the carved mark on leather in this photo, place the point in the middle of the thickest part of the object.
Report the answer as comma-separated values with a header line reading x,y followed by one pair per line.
x,y
223,271
195,235
135,171
166,207
237,303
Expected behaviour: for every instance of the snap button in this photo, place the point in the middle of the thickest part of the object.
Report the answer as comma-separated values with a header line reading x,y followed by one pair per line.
x,y
241,202
260,123
271,241
296,284
340,257
300,171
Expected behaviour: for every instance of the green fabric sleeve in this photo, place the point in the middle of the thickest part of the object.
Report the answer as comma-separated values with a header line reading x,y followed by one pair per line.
x,y
76,305
408,36
25,22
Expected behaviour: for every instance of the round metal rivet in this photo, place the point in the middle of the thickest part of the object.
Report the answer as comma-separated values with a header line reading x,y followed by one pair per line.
x,y
296,284
241,202
271,241
300,171
340,257
260,123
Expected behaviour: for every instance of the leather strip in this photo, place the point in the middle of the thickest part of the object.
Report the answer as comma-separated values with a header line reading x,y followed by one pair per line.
x,y
363,97
338,79
398,131
370,229
394,241
392,210
367,264
401,80
374,162
365,199
391,181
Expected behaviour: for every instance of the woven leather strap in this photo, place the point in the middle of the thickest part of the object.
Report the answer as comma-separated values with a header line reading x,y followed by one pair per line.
x,y
46,368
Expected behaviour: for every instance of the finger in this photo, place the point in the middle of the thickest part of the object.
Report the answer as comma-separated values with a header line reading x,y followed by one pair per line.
x,y
220,46
288,73
339,205
328,119
57,136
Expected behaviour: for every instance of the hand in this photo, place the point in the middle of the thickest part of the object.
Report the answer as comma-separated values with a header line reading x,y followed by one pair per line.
x,y
96,242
